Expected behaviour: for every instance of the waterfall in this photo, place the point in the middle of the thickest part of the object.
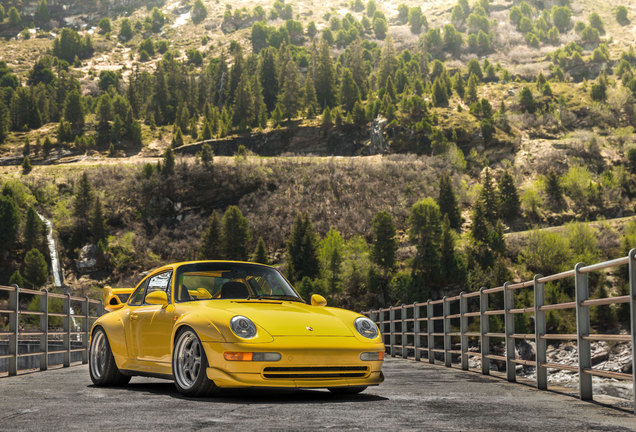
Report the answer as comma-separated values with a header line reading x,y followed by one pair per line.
x,y
56,268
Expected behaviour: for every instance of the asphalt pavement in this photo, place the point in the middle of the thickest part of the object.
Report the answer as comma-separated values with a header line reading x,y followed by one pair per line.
x,y
414,396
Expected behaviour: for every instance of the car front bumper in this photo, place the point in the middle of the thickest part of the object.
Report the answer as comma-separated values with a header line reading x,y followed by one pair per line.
x,y
306,362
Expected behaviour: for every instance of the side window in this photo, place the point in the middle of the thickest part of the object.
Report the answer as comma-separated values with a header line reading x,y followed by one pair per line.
x,y
137,296
160,282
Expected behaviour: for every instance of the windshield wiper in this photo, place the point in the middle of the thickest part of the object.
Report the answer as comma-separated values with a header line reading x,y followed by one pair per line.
x,y
276,297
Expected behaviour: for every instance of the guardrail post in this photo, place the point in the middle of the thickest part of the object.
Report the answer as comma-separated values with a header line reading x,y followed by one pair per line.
x,y
44,328
100,308
509,322
447,339
416,331
539,332
67,331
14,328
430,328
86,329
404,336
583,329
632,310
463,328
392,330
483,326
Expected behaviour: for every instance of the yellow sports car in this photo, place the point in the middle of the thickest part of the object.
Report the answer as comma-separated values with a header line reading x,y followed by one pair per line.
x,y
215,324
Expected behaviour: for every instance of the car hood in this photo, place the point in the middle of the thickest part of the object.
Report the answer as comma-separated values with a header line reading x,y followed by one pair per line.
x,y
288,318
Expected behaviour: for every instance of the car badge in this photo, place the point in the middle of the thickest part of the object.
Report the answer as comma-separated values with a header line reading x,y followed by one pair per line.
x,y
310,328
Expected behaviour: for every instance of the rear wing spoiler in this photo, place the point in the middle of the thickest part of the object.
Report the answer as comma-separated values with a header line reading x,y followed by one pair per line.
x,y
115,298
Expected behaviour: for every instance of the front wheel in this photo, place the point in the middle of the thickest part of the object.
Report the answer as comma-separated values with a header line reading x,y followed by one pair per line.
x,y
347,390
101,366
188,365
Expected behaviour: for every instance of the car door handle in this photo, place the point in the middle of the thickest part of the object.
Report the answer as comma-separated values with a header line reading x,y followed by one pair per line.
x,y
134,316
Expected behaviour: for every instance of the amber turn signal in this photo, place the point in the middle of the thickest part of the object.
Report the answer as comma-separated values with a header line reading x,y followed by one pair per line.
x,y
372,356
248,356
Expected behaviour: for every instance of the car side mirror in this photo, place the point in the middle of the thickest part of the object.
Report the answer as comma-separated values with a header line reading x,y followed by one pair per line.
x,y
157,298
318,300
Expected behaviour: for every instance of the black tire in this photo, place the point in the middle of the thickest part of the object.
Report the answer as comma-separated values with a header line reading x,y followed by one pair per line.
x,y
189,364
347,390
101,363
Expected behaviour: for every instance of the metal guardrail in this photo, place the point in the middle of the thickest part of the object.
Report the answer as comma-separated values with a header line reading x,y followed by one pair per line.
x,y
16,332
424,313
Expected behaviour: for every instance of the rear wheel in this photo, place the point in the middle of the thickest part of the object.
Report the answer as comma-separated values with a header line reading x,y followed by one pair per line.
x,y
347,390
189,364
102,367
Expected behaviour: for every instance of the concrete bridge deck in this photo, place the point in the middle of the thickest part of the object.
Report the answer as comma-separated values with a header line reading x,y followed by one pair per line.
x,y
414,396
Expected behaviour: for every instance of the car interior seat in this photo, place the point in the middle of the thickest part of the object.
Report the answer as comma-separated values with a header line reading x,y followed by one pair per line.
x,y
234,290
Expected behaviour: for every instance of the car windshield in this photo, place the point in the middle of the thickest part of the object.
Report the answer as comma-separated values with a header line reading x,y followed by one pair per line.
x,y
218,280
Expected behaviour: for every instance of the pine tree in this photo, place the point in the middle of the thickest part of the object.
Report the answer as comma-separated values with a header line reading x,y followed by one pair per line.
x,y
260,109
332,255
26,150
496,239
327,120
269,77
42,15
33,230
451,270
384,244
236,234
212,240
260,253
74,111
98,224
388,63
479,229
35,268
310,102
277,115
177,137
349,92
325,77
168,163
290,98
243,110
16,279
447,201
471,93
488,197
199,12
553,189
301,249
459,85
425,233
206,155
526,99
9,220
440,98
26,165
47,146
508,197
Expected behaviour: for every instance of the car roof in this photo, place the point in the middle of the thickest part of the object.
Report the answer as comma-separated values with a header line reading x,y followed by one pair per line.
x,y
177,264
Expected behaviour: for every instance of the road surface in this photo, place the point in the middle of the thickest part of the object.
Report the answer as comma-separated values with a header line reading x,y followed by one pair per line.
x,y
414,396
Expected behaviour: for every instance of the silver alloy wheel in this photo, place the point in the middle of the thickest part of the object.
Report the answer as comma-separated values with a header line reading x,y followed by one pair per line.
x,y
188,360
98,354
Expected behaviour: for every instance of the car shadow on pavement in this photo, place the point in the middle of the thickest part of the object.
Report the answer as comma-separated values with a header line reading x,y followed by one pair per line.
x,y
254,395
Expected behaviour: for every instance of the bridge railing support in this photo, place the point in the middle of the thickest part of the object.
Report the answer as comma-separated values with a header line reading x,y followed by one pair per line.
x,y
19,333
583,336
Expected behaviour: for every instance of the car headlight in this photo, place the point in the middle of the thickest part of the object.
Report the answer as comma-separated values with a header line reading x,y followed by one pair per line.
x,y
366,327
243,327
